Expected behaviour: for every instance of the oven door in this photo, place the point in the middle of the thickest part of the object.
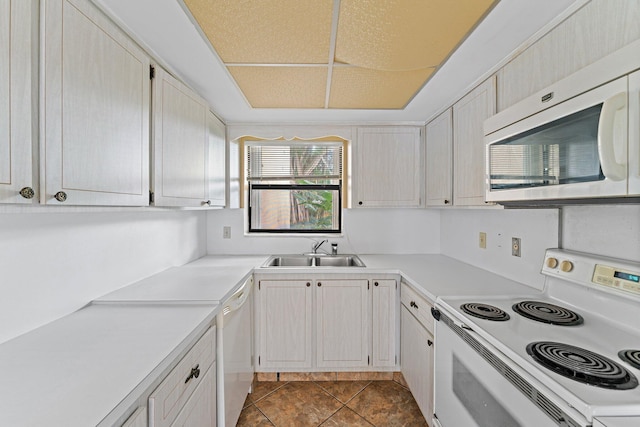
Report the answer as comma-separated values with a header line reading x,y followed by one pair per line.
x,y
474,386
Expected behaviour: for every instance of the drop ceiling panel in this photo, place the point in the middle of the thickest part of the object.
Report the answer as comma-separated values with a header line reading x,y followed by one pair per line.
x,y
404,34
266,31
353,87
282,87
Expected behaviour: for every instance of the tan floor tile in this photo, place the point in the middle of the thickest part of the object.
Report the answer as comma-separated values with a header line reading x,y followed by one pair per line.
x,y
298,404
252,417
386,403
323,376
345,417
399,378
263,388
343,390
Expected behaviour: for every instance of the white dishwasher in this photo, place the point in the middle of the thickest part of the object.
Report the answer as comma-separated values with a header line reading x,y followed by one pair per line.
x,y
234,354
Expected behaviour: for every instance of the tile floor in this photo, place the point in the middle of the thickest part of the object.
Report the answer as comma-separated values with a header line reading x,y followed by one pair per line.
x,y
329,404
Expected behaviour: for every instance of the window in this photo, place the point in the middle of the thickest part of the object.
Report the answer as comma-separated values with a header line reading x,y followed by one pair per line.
x,y
294,186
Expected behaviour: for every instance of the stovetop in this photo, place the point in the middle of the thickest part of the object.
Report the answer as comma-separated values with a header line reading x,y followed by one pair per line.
x,y
595,318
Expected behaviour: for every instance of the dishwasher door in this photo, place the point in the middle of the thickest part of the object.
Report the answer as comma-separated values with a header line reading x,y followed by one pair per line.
x,y
235,350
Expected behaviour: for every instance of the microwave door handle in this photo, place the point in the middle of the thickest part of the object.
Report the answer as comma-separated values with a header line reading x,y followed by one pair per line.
x,y
606,137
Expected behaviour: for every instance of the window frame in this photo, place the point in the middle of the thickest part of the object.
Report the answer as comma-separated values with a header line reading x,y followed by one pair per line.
x,y
339,187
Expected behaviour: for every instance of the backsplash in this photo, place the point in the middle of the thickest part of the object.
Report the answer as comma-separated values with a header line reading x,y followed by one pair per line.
x,y
53,263
366,231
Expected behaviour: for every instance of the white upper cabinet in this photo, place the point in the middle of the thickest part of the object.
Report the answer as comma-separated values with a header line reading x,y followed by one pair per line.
x,y
599,28
439,151
217,161
469,115
18,99
387,167
95,128
634,133
180,144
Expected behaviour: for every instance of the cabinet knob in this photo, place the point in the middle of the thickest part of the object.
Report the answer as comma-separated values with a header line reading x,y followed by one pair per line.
x,y
430,343
360,203
207,202
375,284
413,304
308,284
319,284
27,193
60,196
446,202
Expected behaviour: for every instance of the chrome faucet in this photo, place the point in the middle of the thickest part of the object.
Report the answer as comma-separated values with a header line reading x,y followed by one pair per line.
x,y
316,245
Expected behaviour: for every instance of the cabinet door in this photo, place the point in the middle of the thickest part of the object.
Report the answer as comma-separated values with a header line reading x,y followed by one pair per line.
x,y
137,419
217,161
439,152
634,134
383,316
96,110
285,324
469,115
180,144
342,327
417,361
388,167
200,409
18,99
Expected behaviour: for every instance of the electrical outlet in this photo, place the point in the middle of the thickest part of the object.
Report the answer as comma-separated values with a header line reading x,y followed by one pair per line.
x,y
515,246
482,242
226,232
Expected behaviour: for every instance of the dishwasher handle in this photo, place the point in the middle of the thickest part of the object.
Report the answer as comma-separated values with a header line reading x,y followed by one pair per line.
x,y
237,299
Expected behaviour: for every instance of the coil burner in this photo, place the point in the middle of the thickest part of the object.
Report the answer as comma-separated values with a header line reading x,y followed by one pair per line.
x,y
582,365
632,357
548,313
485,311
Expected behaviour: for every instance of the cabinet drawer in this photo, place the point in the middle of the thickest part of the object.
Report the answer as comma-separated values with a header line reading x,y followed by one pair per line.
x,y
168,399
418,306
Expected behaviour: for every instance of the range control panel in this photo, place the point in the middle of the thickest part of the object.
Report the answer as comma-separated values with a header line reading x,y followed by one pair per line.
x,y
617,278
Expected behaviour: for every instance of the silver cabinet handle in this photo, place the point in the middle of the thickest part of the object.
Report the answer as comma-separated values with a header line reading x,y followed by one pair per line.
x,y
27,193
60,196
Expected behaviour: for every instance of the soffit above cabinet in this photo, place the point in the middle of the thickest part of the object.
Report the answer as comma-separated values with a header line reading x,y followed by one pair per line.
x,y
345,54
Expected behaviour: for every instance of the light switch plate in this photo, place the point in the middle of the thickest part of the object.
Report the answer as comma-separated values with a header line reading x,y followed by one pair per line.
x,y
226,232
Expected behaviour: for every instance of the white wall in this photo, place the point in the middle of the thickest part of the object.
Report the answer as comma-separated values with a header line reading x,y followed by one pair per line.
x,y
537,229
610,230
52,264
366,231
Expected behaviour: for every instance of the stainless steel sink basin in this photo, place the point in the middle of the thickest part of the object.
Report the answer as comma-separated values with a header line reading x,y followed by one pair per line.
x,y
317,260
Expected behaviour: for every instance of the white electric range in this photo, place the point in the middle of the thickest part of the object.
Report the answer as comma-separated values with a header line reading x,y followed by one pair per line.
x,y
568,356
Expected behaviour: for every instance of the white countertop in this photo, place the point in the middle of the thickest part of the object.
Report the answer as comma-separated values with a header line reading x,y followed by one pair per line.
x,y
208,279
76,370
440,276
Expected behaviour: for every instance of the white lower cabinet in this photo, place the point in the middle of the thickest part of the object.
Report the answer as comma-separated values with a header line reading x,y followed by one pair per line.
x,y
285,324
342,323
417,349
324,324
186,397
200,409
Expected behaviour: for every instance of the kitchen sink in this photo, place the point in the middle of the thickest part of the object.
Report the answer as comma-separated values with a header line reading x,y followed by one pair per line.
x,y
314,260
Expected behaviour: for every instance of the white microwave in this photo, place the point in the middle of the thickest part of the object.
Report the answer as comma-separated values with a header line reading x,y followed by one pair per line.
x,y
582,147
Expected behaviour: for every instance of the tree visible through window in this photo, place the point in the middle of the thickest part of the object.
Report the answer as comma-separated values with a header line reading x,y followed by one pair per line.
x,y
295,187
